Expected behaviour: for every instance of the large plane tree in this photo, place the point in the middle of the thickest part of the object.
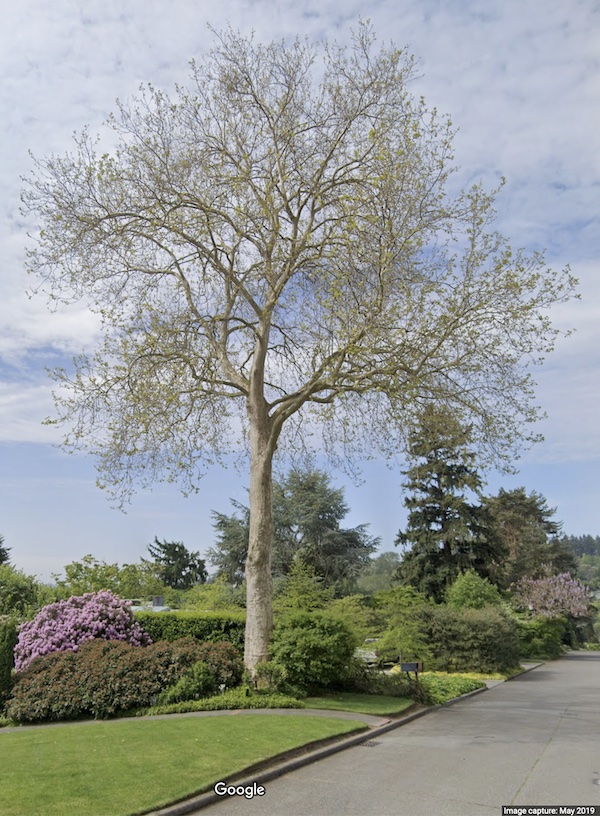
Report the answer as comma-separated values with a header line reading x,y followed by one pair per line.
x,y
275,258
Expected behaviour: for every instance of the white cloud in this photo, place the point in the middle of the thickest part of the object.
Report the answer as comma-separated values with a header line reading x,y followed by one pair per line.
x,y
520,80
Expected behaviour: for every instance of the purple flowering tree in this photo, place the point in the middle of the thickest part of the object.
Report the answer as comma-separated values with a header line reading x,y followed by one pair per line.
x,y
64,625
553,595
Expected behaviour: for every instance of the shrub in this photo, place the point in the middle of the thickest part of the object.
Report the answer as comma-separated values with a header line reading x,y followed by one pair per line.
x,y
482,640
204,626
439,688
232,699
20,594
100,679
65,625
471,591
8,640
198,681
224,661
541,638
404,636
553,595
314,649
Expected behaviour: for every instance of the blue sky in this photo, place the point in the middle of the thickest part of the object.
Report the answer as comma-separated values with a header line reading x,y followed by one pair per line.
x,y
521,81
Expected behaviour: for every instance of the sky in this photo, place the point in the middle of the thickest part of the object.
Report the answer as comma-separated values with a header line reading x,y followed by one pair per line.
x,y
521,81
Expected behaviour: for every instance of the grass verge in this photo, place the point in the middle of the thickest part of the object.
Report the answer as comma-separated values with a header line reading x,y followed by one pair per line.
x,y
124,767
378,705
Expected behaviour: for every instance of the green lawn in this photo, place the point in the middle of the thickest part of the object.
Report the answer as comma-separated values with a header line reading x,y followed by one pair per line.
x,y
124,767
378,705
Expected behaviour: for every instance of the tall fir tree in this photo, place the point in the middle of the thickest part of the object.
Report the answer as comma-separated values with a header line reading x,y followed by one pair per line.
x,y
446,533
4,556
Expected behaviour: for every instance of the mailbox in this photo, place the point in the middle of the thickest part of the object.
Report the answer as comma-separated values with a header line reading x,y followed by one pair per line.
x,y
412,667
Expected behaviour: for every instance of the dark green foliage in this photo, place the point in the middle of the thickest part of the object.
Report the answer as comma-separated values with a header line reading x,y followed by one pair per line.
x,y
307,513
541,638
364,680
482,640
99,680
224,661
440,689
529,534
582,545
446,533
198,681
175,565
314,649
4,556
8,641
204,626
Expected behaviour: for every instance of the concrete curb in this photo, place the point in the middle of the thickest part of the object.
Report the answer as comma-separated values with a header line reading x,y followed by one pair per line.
x,y
202,800
248,779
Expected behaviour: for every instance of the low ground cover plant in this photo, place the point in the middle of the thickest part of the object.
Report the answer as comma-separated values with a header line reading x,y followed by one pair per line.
x,y
440,687
231,699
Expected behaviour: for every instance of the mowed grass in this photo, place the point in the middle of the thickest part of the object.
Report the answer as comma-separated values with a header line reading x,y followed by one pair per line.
x,y
125,767
378,705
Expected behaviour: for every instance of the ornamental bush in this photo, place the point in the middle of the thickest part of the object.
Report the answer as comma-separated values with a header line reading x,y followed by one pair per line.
x,y
471,591
98,680
483,640
66,625
8,639
314,649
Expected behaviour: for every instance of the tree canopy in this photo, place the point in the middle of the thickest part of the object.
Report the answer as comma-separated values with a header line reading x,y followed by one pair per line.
x,y
525,524
175,565
273,250
4,552
307,512
447,531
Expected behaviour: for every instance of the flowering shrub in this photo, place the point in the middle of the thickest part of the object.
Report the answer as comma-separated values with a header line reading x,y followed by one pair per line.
x,y
65,625
98,680
553,595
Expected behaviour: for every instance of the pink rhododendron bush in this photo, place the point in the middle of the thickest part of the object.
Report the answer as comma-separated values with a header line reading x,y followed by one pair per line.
x,y
65,625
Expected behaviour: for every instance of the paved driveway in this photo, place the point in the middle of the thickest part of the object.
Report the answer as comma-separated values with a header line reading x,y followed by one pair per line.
x,y
532,741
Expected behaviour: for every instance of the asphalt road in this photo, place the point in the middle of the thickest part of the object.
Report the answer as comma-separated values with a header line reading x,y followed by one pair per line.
x,y
532,741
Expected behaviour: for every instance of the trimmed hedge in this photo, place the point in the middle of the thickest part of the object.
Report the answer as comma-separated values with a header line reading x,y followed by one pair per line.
x,y
203,626
483,640
100,679
8,640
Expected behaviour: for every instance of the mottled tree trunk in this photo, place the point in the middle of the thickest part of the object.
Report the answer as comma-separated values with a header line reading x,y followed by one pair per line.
x,y
259,581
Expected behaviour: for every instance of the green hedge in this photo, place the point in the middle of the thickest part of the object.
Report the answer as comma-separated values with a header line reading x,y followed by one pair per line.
x,y
541,638
483,640
8,641
204,626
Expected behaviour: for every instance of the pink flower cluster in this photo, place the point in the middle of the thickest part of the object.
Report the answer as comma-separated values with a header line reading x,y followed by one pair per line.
x,y
64,625
553,595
